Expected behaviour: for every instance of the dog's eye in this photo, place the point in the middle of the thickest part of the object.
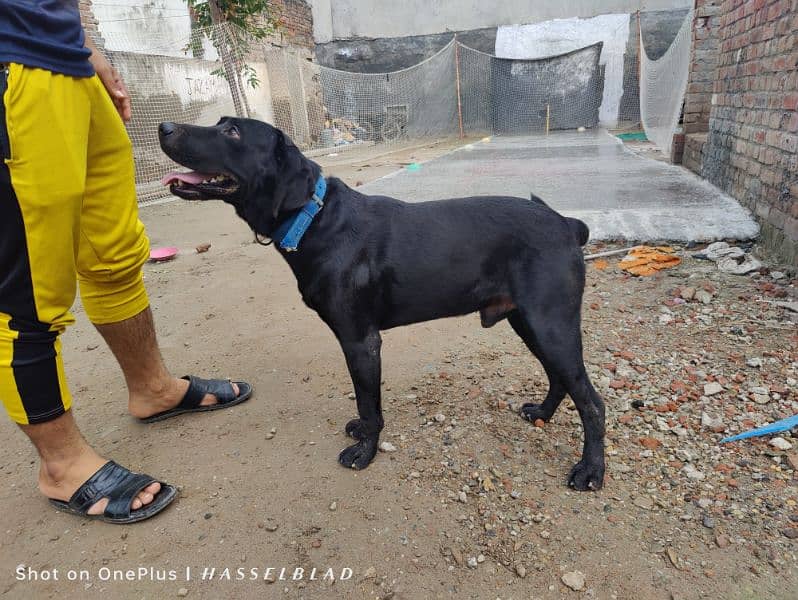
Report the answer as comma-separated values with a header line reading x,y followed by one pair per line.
x,y
232,131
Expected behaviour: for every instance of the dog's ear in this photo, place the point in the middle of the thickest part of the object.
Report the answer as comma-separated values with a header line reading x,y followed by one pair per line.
x,y
296,176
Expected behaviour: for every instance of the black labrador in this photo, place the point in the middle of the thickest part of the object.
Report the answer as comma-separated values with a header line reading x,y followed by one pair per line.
x,y
368,263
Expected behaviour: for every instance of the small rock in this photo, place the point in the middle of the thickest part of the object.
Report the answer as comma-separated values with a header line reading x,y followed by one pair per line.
x,y
672,557
790,532
271,527
703,296
704,503
574,580
687,293
520,571
692,473
370,573
472,562
780,443
333,505
722,541
208,515
713,423
777,275
462,497
457,556
183,592
200,249
754,362
712,388
481,558
644,502
440,417
792,460
387,447
708,522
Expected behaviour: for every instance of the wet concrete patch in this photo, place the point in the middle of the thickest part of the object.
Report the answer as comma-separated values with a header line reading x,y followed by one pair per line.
x,y
589,175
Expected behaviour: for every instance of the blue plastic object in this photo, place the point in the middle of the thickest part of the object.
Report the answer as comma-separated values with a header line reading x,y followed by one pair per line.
x,y
777,427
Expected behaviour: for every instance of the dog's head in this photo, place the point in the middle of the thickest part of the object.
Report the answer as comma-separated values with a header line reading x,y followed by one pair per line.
x,y
247,163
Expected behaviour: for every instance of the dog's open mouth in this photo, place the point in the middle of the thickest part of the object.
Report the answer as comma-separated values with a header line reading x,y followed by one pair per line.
x,y
199,186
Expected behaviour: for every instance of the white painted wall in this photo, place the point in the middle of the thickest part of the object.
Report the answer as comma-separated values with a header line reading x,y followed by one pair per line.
x,y
345,19
160,27
563,35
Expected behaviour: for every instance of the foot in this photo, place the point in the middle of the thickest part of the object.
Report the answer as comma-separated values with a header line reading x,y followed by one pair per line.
x,y
60,480
586,476
358,456
354,429
167,397
532,412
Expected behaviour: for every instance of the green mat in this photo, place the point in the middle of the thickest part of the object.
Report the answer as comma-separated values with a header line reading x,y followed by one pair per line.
x,y
634,135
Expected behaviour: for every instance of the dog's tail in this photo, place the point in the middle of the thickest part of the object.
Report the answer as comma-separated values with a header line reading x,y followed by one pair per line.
x,y
579,229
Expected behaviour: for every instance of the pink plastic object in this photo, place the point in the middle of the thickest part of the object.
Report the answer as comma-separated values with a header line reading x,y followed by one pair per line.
x,y
161,254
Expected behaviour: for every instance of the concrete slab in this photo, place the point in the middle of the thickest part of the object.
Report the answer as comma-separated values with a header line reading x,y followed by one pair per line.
x,y
591,176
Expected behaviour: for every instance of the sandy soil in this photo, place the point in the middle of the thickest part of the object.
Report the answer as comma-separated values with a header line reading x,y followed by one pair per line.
x,y
261,487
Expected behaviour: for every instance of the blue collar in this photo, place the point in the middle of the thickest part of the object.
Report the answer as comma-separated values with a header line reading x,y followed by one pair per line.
x,y
290,232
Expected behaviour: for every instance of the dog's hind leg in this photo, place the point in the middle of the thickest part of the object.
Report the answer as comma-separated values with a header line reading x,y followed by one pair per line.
x,y
557,336
549,302
556,393
362,354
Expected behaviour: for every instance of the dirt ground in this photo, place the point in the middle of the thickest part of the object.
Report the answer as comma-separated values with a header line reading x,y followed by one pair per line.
x,y
472,503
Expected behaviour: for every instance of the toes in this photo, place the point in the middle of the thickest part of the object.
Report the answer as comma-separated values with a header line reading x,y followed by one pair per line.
x,y
584,477
532,412
211,399
359,455
354,430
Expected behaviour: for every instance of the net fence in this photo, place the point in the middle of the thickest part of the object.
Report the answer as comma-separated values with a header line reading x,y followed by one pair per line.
x,y
204,74
663,83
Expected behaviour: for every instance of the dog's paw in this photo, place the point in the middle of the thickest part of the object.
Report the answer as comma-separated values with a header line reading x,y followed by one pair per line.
x,y
358,456
532,412
586,476
354,429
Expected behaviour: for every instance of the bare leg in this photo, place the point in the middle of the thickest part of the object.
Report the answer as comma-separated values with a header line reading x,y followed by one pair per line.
x,y
68,461
152,389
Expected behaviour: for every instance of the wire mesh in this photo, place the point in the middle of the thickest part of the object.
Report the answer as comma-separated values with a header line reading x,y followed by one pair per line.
x,y
663,83
219,71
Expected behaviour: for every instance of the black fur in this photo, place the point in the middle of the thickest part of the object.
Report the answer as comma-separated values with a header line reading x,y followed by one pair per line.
x,y
369,263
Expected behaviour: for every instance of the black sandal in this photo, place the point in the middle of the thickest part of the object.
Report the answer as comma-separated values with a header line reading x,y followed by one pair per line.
x,y
197,388
120,486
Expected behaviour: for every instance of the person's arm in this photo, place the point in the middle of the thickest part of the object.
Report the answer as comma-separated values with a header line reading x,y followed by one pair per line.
x,y
111,79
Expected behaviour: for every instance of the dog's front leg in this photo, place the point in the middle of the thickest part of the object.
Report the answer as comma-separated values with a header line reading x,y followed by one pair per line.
x,y
363,360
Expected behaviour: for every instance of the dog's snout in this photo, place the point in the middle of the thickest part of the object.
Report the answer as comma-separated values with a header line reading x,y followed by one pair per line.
x,y
167,128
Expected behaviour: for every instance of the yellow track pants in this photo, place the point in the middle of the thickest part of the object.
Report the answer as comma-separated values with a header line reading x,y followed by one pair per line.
x,y
68,215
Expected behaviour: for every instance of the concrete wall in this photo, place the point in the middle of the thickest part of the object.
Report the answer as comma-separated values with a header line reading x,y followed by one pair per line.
x,y
751,150
348,19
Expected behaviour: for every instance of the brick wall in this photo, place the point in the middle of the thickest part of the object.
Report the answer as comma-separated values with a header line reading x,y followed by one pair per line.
x,y
295,23
751,146
703,64
90,22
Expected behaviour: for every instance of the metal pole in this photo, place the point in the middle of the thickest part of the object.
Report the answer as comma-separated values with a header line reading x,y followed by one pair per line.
x,y
457,70
548,117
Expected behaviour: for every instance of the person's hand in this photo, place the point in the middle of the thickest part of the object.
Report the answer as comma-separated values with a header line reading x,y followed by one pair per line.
x,y
112,81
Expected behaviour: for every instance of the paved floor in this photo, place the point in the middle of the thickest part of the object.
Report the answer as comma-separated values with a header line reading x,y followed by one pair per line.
x,y
590,175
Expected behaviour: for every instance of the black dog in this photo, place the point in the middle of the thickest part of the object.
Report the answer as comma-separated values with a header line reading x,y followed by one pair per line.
x,y
368,263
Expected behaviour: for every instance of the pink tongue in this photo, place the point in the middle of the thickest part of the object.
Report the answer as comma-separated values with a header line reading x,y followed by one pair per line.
x,y
191,178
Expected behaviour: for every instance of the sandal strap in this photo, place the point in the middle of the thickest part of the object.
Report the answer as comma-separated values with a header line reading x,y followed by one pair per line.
x,y
112,481
198,387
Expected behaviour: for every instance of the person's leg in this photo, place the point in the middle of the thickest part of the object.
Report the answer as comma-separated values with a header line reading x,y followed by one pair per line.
x,y
42,131
113,247
152,389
